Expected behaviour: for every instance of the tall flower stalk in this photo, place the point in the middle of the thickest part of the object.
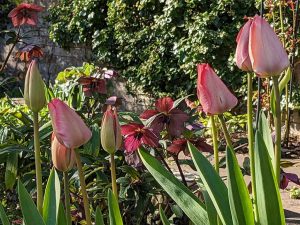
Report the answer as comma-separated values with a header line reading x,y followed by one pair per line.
x,y
214,134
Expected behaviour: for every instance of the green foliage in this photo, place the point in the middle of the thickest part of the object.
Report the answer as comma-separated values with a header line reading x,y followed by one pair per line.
x,y
156,44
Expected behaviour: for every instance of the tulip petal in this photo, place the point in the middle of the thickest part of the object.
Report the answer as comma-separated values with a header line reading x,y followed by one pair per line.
x,y
68,126
266,52
213,94
242,50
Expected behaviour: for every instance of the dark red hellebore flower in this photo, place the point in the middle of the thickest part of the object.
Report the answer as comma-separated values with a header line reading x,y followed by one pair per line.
x,y
166,116
179,145
29,52
137,134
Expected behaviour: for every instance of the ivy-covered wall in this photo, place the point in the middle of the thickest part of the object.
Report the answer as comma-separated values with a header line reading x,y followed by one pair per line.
x,y
156,44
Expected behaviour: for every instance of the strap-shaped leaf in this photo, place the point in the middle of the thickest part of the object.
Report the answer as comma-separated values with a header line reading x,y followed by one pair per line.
x,y
51,199
184,198
163,216
264,129
61,218
213,184
210,208
11,170
30,213
99,217
114,211
239,198
269,204
3,216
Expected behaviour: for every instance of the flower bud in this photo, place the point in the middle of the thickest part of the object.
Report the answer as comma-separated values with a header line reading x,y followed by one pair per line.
x,y
63,158
34,93
111,138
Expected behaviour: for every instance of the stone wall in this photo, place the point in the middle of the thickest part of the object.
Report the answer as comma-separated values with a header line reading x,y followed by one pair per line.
x,y
57,59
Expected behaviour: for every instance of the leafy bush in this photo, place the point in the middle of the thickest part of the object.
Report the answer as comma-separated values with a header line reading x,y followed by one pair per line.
x,y
155,44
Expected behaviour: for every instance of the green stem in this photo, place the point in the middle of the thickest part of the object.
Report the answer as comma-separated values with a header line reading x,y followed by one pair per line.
x,y
67,198
251,143
215,142
225,131
113,175
37,158
277,120
83,190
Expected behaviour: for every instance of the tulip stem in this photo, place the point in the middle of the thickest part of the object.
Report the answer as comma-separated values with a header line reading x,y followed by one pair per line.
x,y
113,175
38,167
83,190
225,131
67,198
251,144
277,120
215,142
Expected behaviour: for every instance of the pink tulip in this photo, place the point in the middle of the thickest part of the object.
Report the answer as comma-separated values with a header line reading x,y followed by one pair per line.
x,y
63,158
213,94
68,126
267,55
259,49
242,50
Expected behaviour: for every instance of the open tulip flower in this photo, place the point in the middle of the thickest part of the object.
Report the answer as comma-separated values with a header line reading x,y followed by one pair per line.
x,y
213,94
259,49
137,134
63,158
166,115
25,14
69,128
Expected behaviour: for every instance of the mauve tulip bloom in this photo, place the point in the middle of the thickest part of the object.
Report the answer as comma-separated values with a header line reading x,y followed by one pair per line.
x,y
213,94
166,116
34,93
267,55
137,134
111,137
69,128
63,158
25,14
242,50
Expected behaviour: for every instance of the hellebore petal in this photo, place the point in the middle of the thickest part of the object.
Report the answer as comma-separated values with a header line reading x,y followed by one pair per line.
x,y
111,138
213,94
176,123
69,128
242,57
34,93
63,158
267,55
164,104
148,114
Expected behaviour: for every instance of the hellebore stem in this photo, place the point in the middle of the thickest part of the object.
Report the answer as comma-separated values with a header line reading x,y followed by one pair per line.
x,y
83,190
215,142
113,175
67,198
251,143
37,158
225,131
175,157
277,120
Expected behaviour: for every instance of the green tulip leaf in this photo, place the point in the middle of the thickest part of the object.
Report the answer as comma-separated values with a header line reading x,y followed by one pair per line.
x,y
11,170
51,199
3,216
184,198
61,217
210,208
213,184
115,217
239,198
99,217
269,203
30,213
163,216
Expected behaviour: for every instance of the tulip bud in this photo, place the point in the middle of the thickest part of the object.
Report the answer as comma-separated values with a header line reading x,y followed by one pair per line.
x,y
111,138
69,128
34,93
63,158
213,94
